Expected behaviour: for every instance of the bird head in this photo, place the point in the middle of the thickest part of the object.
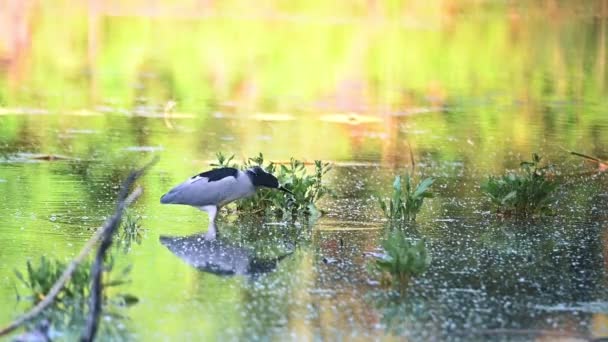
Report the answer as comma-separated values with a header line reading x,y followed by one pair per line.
x,y
259,177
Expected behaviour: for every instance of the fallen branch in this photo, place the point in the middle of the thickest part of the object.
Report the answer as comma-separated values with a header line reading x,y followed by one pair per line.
x,y
586,156
602,165
124,201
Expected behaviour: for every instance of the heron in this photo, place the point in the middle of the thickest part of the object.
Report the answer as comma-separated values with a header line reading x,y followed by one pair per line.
x,y
209,191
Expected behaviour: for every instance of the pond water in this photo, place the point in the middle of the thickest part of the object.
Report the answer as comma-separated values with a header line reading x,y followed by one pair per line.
x,y
461,91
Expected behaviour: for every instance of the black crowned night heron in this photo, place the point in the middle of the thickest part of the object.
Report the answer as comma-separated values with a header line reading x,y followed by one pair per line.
x,y
211,190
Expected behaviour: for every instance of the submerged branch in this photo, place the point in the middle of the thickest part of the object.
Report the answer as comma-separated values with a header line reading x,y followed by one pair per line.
x,y
57,287
110,228
65,276
102,233
97,269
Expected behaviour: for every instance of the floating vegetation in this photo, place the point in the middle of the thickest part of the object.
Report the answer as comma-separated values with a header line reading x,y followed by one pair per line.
x,y
66,314
524,193
400,260
404,206
307,188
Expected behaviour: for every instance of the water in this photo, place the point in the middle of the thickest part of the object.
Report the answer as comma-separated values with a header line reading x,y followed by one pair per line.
x,y
466,91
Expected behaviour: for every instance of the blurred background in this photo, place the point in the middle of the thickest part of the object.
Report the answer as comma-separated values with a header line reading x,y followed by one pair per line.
x,y
463,89
477,71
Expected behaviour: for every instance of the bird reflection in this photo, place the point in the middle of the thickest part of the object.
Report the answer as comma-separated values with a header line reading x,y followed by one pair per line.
x,y
218,256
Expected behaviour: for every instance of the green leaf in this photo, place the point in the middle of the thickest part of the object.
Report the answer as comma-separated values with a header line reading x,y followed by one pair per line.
x,y
112,283
509,196
19,276
129,299
382,205
423,186
397,183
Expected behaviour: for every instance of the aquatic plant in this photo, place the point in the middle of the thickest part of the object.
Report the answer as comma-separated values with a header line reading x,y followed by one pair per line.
x,y
130,231
225,161
400,260
307,188
39,279
70,306
404,206
524,193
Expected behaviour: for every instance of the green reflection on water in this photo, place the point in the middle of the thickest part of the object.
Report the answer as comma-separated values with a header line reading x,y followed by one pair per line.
x,y
470,88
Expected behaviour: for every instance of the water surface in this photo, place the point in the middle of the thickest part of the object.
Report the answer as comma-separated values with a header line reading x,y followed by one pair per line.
x,y
464,91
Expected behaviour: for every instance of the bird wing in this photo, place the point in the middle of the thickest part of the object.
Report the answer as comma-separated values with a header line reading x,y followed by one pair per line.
x,y
198,191
218,174
209,188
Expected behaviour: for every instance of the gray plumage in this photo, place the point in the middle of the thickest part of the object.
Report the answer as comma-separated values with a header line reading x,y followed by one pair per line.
x,y
201,190
211,190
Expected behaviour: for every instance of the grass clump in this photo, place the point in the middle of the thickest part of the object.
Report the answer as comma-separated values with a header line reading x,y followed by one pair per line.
x,y
400,260
524,193
405,205
39,278
307,188
70,307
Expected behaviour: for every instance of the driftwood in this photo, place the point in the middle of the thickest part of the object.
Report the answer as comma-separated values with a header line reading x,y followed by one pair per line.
x,y
104,234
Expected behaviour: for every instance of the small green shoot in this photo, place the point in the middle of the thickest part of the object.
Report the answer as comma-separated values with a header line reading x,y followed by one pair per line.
x,y
224,161
524,193
130,231
400,261
404,206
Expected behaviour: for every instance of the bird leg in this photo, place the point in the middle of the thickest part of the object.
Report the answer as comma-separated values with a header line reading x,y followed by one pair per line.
x,y
212,230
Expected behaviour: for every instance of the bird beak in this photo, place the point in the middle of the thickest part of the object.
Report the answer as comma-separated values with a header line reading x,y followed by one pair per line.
x,y
287,191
